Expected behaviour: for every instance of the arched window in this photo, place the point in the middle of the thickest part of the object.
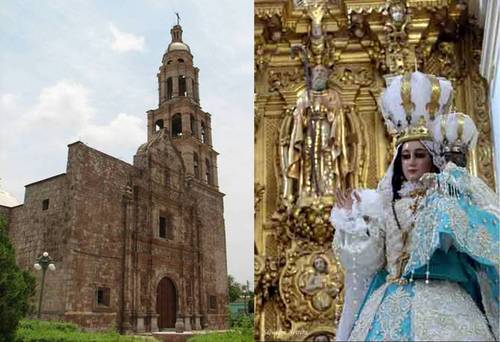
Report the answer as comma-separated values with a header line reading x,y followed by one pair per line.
x,y
196,166
180,60
182,85
208,173
158,125
169,88
203,133
177,125
193,126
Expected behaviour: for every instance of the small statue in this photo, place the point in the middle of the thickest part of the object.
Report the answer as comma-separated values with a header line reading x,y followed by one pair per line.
x,y
312,145
317,284
316,141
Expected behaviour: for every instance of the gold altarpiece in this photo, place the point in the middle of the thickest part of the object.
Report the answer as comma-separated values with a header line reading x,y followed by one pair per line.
x,y
298,281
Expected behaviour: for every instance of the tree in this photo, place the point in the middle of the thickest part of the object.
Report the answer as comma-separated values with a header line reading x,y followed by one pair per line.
x,y
16,286
234,289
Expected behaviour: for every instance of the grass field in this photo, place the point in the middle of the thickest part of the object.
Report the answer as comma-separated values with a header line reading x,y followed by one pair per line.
x,y
50,331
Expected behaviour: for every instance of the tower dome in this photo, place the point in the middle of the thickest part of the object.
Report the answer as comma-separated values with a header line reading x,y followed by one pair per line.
x,y
177,44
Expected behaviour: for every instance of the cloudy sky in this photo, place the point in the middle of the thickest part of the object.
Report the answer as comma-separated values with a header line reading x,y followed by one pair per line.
x,y
86,70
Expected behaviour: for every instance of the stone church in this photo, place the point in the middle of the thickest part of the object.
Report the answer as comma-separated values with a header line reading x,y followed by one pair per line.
x,y
139,247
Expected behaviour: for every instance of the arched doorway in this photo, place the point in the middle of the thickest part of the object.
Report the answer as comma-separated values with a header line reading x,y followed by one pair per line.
x,y
166,303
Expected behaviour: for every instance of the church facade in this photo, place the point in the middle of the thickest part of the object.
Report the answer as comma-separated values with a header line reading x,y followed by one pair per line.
x,y
139,247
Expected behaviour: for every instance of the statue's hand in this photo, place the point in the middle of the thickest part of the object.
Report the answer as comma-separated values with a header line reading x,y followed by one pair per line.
x,y
345,198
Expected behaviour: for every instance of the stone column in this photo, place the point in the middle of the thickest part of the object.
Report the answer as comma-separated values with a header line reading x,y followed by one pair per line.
x,y
197,322
187,323
186,124
140,323
161,86
154,322
179,325
189,86
175,85
215,176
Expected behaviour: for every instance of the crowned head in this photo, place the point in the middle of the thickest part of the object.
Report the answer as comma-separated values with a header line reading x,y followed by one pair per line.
x,y
411,102
456,133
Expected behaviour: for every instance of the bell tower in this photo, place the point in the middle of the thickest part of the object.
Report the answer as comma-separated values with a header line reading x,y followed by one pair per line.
x,y
179,113
177,76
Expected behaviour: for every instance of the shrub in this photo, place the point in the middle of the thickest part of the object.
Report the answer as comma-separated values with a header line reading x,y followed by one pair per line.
x,y
16,286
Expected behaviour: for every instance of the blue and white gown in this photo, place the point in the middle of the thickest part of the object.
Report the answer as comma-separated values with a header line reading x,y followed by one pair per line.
x,y
425,268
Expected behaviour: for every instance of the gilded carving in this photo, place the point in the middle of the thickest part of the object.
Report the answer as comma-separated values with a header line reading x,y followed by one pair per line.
x,y
310,285
258,194
355,43
353,75
285,79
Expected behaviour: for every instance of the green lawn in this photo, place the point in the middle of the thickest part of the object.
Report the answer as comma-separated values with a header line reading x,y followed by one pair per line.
x,y
49,331
229,336
241,331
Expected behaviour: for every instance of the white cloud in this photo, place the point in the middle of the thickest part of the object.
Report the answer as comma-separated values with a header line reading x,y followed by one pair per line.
x,y
124,133
37,136
63,106
7,101
124,42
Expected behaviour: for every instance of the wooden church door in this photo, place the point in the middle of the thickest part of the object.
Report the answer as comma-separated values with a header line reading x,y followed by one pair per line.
x,y
166,304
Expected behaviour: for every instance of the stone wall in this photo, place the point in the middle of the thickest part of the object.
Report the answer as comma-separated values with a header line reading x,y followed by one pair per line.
x,y
213,249
101,227
34,229
97,185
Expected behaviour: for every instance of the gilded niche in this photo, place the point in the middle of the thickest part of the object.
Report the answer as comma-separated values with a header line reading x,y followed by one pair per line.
x,y
319,68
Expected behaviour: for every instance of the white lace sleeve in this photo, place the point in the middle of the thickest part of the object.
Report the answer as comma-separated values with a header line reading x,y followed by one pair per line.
x,y
359,243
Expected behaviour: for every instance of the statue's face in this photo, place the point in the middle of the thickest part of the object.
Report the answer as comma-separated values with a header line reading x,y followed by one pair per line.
x,y
415,159
397,13
319,265
319,78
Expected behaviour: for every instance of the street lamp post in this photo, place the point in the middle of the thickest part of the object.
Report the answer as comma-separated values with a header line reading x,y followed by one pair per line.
x,y
245,290
42,263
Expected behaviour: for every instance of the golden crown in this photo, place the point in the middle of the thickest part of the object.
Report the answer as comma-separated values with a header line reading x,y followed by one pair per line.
x,y
411,102
415,132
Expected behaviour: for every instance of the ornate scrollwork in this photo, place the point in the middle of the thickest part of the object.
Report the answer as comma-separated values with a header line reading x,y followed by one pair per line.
x,y
258,193
266,12
311,223
285,79
348,75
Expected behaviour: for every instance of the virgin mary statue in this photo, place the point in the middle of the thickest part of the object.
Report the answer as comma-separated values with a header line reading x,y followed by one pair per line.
x,y
421,252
